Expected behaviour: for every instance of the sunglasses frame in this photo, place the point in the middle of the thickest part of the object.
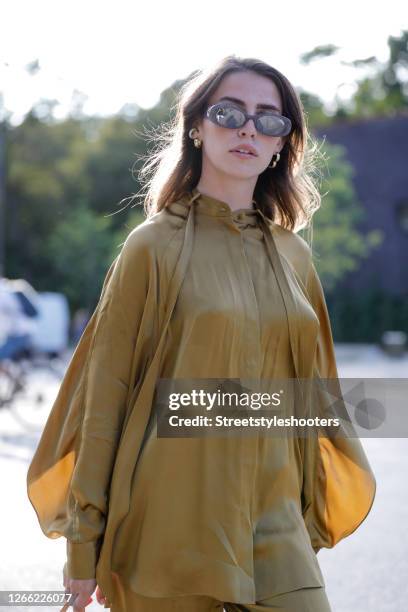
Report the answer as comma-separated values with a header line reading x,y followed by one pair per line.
x,y
211,115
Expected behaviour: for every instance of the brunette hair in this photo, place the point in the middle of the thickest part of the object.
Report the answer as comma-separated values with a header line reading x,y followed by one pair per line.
x,y
287,194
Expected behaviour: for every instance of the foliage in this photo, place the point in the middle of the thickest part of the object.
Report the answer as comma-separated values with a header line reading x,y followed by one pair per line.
x,y
384,91
365,316
339,247
81,249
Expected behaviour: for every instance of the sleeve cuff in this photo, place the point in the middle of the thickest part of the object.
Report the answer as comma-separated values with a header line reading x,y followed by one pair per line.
x,y
82,558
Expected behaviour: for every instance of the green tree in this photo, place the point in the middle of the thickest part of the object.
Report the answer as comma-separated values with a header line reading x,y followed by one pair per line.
x,y
383,91
314,110
44,180
82,247
338,245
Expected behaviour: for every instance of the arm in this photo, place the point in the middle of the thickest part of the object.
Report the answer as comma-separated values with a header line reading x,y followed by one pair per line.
x,y
69,476
339,485
325,358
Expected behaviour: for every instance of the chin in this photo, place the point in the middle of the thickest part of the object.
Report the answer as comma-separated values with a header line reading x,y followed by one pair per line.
x,y
234,169
243,173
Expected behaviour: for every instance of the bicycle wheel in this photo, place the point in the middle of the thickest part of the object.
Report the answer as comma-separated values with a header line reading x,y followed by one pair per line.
x,y
39,386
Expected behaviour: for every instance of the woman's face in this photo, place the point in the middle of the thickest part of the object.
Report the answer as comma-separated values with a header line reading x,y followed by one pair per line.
x,y
255,91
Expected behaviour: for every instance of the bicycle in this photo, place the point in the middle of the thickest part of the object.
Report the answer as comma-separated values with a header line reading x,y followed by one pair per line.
x,y
27,381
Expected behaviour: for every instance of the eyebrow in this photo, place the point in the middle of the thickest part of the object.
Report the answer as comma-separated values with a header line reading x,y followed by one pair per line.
x,y
242,103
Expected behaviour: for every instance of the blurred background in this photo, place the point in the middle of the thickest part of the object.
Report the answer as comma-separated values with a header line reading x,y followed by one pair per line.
x,y
79,83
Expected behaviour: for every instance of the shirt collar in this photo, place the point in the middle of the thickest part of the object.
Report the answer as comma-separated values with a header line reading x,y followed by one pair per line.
x,y
210,205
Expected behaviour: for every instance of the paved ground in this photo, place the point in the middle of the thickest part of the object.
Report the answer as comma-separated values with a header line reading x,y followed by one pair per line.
x,y
366,572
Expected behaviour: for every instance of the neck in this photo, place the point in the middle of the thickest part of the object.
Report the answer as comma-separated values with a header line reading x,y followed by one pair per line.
x,y
237,193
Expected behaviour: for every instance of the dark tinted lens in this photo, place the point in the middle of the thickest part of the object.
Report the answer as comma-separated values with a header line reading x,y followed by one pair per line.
x,y
228,116
274,125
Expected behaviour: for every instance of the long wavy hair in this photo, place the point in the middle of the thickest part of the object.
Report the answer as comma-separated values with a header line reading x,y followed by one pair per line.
x,y
287,194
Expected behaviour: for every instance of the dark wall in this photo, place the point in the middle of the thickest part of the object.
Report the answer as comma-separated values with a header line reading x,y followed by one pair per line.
x,y
378,150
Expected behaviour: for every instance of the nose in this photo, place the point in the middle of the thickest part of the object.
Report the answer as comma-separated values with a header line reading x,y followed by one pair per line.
x,y
248,127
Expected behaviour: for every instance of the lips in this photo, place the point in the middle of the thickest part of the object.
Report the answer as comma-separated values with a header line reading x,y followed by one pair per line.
x,y
245,149
243,152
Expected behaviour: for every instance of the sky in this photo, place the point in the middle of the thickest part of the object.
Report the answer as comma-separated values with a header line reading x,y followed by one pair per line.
x,y
122,52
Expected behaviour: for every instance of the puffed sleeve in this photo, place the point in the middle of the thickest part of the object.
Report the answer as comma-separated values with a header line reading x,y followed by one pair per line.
x,y
69,475
339,485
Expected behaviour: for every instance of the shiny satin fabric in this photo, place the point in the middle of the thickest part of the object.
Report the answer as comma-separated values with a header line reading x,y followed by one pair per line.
x,y
309,599
198,291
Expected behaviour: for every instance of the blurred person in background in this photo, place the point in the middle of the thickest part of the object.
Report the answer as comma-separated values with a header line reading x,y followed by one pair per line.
x,y
17,319
78,324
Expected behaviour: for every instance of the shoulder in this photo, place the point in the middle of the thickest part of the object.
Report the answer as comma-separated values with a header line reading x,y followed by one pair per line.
x,y
152,237
294,248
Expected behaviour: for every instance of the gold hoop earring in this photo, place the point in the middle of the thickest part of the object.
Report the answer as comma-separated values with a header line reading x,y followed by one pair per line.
x,y
275,161
197,141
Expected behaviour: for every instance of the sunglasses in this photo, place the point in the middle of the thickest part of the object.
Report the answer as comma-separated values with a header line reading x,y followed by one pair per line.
x,y
226,114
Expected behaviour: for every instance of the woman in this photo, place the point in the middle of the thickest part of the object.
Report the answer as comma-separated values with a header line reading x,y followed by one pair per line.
x,y
210,286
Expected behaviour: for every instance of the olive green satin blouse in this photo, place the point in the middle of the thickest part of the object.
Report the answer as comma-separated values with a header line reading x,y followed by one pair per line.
x,y
197,291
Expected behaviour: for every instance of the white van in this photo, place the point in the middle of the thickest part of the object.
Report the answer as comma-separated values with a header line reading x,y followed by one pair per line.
x,y
53,328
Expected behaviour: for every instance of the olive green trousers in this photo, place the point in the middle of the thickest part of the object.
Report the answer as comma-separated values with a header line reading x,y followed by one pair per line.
x,y
310,599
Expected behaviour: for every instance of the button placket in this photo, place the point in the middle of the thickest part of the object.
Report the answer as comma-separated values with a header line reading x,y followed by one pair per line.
x,y
252,331
252,359
252,363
